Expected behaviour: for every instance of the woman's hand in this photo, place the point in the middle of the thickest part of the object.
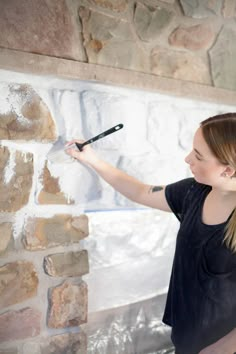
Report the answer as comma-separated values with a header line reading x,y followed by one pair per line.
x,y
87,155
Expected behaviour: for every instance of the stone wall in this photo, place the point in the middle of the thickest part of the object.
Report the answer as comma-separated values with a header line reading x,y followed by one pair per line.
x,y
48,208
42,295
190,41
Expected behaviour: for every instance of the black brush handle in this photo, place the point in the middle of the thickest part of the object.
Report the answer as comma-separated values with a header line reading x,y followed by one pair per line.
x,y
100,136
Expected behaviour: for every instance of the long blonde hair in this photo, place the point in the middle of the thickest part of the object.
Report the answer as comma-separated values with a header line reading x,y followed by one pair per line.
x,y
220,135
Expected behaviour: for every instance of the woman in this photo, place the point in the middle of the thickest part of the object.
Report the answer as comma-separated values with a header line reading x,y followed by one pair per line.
x,y
201,300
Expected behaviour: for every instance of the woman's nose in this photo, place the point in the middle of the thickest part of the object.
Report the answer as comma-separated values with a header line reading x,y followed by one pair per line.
x,y
188,159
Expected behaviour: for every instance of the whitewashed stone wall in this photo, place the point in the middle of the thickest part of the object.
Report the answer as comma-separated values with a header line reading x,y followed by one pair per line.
x,y
130,247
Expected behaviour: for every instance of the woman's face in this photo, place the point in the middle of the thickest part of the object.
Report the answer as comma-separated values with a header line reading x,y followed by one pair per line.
x,y
203,164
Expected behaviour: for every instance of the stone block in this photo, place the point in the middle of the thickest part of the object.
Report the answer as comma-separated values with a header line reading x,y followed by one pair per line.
x,y
51,192
113,43
113,5
68,305
9,351
15,183
6,238
15,325
18,282
193,38
41,233
222,59
149,21
24,115
201,8
23,27
229,9
179,65
69,264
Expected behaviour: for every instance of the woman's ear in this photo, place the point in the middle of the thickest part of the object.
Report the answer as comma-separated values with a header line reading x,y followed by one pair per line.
x,y
229,171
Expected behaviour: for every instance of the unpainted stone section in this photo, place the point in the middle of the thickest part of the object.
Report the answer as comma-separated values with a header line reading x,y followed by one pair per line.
x,y
15,193
68,264
9,351
41,233
202,8
28,117
113,43
193,38
51,192
6,237
68,305
22,324
18,282
222,56
23,24
179,65
113,5
229,9
149,22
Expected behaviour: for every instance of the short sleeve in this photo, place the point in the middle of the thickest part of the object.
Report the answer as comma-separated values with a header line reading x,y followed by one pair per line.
x,y
176,194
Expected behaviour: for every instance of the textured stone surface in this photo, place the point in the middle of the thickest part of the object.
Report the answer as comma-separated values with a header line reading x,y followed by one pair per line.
x,y
179,65
18,282
111,44
22,27
222,59
229,8
201,8
51,192
68,264
6,239
9,351
114,5
69,343
20,324
24,115
193,38
68,305
40,233
149,21
15,187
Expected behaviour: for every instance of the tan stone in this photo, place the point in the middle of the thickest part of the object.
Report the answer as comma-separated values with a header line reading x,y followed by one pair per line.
x,y
179,65
51,192
193,38
44,27
69,264
75,343
14,193
114,5
29,117
40,233
68,305
18,282
20,324
6,238
229,8
9,351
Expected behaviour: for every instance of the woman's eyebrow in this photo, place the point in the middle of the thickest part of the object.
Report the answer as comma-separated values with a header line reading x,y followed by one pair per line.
x,y
198,152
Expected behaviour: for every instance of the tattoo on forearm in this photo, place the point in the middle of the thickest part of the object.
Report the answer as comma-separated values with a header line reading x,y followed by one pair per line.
x,y
155,189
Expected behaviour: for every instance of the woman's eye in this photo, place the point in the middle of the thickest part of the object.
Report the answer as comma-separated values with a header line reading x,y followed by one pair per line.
x,y
198,158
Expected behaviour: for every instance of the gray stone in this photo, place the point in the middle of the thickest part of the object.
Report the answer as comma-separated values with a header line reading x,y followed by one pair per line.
x,y
9,351
179,65
6,238
74,343
149,21
111,44
222,60
201,8
44,27
69,264
68,305
114,5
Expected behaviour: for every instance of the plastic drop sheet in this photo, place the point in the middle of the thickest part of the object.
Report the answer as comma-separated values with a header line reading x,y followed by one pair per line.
x,y
131,254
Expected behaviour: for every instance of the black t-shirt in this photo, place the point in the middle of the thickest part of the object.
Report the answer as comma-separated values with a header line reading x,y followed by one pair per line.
x,y
201,300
